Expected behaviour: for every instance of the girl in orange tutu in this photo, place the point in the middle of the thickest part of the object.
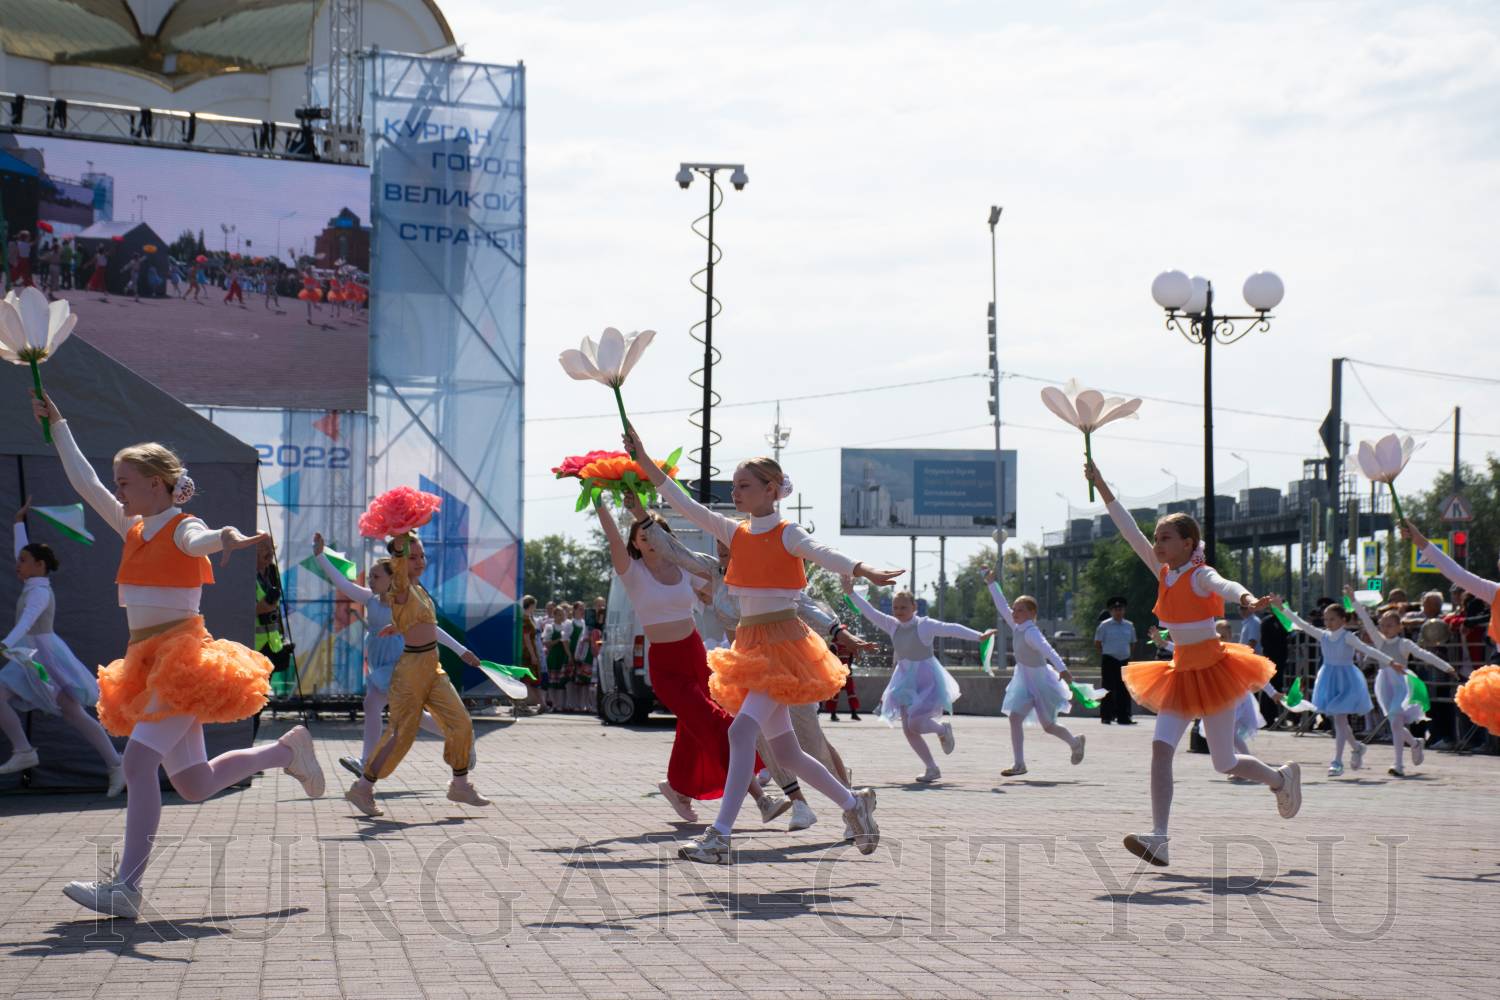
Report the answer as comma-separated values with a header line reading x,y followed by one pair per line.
x,y
1206,678
1479,698
175,676
776,660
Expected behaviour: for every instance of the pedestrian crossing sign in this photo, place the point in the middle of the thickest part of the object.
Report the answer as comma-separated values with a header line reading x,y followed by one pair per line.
x,y
1419,563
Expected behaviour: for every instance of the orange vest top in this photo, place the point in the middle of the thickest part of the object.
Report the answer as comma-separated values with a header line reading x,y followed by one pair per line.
x,y
159,562
1495,618
1178,603
761,562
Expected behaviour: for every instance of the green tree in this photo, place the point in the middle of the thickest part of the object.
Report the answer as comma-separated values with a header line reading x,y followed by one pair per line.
x,y
184,247
1114,571
559,568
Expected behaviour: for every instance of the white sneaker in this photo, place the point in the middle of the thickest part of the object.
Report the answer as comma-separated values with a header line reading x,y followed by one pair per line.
x,y
1336,769
709,848
1418,751
1396,772
861,820
802,816
463,790
772,806
1357,756
679,802
113,898
1148,847
20,761
116,781
1078,750
304,766
930,775
946,737
1289,795
848,832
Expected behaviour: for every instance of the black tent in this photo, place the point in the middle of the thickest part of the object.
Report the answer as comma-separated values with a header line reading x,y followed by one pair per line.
x,y
109,407
123,242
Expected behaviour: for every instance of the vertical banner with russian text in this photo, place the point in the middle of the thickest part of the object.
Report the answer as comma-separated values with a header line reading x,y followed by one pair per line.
x,y
447,150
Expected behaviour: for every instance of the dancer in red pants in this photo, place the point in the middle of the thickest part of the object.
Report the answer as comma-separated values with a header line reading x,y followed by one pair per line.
x,y
831,706
662,596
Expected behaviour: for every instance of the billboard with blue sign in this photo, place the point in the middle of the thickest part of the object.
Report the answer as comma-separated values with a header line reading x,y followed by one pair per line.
x,y
902,491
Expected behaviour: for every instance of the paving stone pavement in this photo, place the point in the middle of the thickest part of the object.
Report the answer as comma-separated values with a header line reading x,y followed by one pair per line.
x,y
567,886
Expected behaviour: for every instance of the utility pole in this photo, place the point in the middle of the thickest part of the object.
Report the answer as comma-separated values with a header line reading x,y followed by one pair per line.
x,y
1001,637
779,435
1458,484
1333,440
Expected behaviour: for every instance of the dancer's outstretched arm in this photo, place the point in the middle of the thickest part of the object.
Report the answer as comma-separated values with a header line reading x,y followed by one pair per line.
x,y
1481,588
886,623
353,591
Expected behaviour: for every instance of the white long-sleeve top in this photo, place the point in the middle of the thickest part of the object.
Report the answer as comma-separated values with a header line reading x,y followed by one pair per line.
x,y
144,606
1399,648
1027,632
722,605
1336,642
374,606
1205,580
755,600
1476,585
928,629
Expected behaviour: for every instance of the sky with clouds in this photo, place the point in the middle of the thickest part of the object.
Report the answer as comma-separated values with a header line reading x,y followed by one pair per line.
x,y
1351,147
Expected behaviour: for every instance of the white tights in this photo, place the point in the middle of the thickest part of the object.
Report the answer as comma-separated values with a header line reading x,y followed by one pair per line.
x,y
72,712
1401,737
1018,731
1218,729
915,729
761,712
1342,735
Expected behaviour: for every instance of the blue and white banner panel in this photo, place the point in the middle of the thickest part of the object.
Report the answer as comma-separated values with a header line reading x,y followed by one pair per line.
x,y
902,491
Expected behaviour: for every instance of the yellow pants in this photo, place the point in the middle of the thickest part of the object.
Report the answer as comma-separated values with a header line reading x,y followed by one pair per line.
x,y
417,682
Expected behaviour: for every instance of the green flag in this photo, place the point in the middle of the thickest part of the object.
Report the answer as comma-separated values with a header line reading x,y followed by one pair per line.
x,y
1294,694
339,561
1281,616
67,519
1086,694
986,653
1349,604
1419,693
507,679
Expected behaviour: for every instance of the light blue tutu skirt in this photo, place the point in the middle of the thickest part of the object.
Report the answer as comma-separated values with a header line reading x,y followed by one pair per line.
x,y
1394,696
1247,718
65,673
922,688
1040,689
382,655
1340,689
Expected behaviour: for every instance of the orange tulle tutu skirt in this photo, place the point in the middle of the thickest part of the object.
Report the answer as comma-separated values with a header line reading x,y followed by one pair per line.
x,y
782,658
1201,679
1479,698
188,672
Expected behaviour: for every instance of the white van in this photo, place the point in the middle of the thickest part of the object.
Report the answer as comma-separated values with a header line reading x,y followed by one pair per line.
x,y
622,672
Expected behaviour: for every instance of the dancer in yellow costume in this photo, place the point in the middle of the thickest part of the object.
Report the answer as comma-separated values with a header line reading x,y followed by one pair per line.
x,y
418,682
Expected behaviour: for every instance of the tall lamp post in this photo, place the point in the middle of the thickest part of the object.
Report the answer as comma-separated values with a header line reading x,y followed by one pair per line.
x,y
1000,525
1189,303
739,179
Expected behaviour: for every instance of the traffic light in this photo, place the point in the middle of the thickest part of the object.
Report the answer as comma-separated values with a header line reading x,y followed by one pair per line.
x,y
1459,543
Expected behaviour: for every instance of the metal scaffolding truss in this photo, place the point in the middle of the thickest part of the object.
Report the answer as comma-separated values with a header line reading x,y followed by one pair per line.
x,y
345,81
29,114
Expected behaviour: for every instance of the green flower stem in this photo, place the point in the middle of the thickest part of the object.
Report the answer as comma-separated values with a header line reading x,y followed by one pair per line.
x,y
36,380
1396,502
1088,453
624,423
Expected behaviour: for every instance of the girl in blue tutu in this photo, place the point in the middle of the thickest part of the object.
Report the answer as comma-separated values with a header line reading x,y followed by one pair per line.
x,y
1040,683
920,689
1340,688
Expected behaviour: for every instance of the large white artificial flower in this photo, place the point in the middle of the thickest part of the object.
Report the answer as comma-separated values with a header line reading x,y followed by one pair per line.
x,y
607,362
1384,460
1088,410
31,331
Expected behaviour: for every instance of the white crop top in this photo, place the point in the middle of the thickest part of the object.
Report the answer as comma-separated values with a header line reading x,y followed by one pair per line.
x,y
657,603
